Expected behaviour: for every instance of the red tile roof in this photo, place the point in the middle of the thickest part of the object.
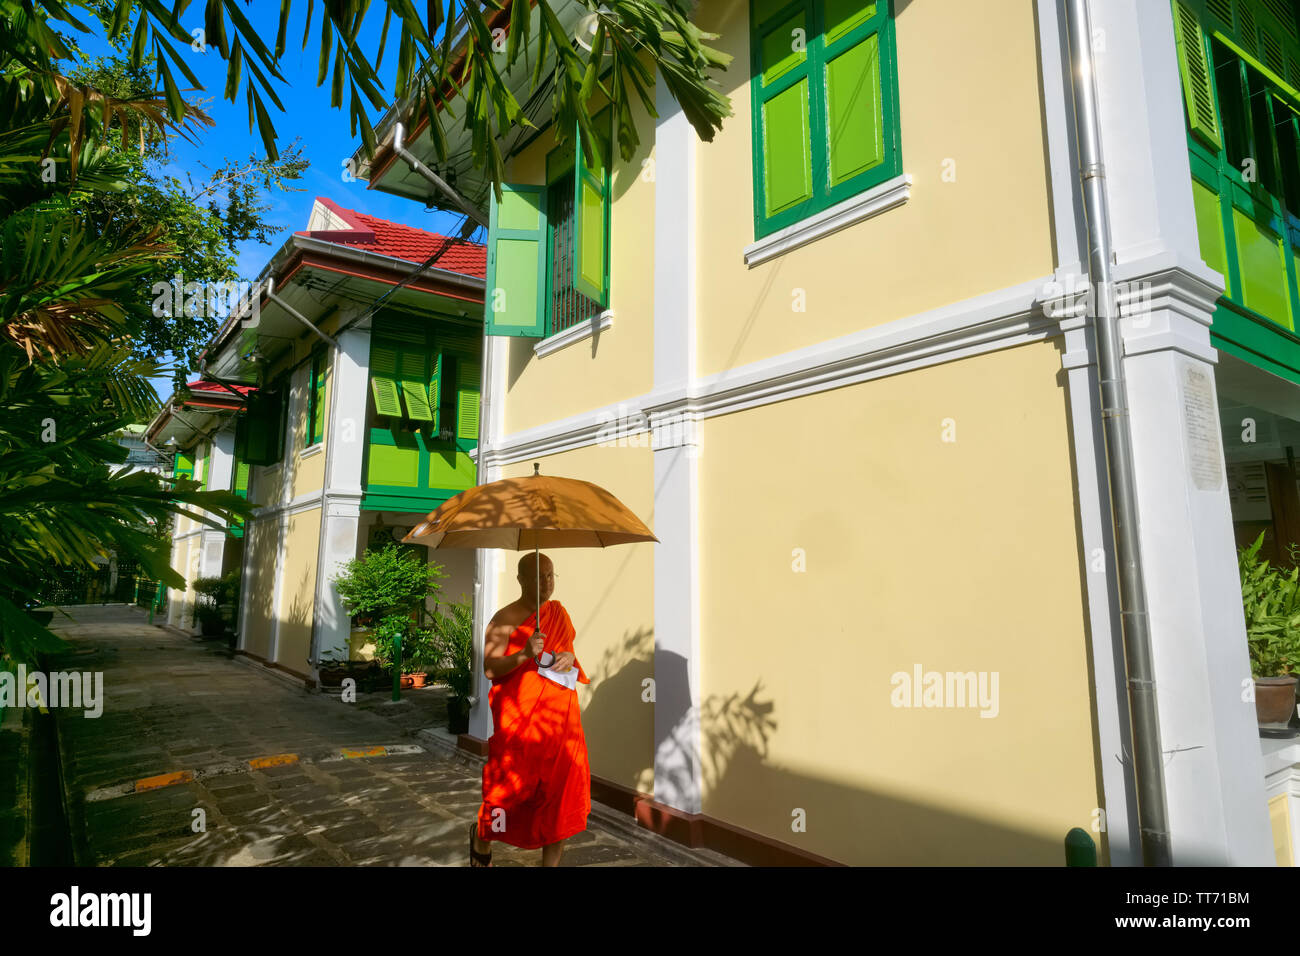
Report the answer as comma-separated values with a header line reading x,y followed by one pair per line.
x,y
402,242
201,385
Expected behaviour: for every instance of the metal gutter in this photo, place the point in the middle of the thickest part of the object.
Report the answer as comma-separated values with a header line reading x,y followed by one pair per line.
x,y
367,257
460,202
271,296
1148,759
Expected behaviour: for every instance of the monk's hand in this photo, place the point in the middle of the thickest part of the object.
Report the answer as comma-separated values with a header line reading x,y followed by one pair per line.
x,y
563,662
535,644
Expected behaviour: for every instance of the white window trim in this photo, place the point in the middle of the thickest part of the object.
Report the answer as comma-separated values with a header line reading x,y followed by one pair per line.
x,y
312,450
575,333
891,193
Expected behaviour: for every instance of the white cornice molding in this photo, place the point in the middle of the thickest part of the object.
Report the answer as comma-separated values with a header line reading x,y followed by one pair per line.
x,y
583,330
1162,305
994,321
891,193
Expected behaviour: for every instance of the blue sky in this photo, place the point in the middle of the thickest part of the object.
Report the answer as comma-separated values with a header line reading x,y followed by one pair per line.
x,y
324,133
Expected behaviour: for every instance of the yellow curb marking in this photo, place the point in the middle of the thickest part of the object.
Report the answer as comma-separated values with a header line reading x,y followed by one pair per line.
x,y
275,760
351,752
163,780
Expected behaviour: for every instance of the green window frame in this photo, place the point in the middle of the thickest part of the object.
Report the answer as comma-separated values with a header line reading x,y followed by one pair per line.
x,y
314,427
549,246
824,94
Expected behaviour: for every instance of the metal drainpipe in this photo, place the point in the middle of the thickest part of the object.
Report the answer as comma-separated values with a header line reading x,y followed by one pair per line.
x,y
272,297
1148,762
463,204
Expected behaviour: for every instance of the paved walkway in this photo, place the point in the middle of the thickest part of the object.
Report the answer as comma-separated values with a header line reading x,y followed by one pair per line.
x,y
281,775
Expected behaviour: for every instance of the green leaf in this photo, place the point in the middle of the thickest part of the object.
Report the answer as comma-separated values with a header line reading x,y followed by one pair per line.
x,y
175,103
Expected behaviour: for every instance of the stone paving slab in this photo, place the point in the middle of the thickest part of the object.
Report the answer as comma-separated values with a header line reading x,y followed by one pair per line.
x,y
174,703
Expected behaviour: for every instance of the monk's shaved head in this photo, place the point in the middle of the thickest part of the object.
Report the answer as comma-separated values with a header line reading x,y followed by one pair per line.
x,y
527,566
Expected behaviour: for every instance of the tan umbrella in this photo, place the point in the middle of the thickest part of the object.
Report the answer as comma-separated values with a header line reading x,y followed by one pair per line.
x,y
535,512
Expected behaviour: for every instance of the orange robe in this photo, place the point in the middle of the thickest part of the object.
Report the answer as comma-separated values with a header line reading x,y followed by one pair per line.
x,y
537,770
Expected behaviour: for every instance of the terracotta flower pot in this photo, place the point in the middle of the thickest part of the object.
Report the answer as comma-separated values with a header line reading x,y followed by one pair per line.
x,y
418,679
407,682
1274,701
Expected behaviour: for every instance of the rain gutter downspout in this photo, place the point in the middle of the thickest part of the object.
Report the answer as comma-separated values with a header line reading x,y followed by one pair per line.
x,y
270,294
461,203
1148,762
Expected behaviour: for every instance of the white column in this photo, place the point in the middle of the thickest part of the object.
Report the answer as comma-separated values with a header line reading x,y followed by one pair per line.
x,y
212,548
676,563
222,450
1213,769
345,444
492,405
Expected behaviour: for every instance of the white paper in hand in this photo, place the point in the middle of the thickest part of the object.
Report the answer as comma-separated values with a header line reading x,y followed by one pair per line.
x,y
567,678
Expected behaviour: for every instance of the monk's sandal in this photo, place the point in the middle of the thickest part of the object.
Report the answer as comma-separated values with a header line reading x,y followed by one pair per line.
x,y
476,858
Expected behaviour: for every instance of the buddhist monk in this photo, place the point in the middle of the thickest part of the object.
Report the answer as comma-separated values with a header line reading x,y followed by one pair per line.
x,y
536,782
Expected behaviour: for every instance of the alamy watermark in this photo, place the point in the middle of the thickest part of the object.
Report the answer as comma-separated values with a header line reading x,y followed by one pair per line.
x,y
947,689
84,689
629,427
212,300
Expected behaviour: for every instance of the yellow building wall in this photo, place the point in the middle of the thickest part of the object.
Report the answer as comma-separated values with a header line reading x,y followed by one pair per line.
x,y
609,594
185,560
970,102
620,363
953,555
298,591
309,463
260,543
1279,819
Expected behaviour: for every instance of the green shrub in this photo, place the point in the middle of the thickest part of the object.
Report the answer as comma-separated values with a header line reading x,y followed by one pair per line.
x,y
453,648
1270,600
385,582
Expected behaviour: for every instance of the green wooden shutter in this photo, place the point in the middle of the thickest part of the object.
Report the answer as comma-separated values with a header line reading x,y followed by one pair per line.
x,y
848,62
241,479
183,465
783,133
467,389
383,383
591,225
412,369
435,390
207,458
264,428
317,422
1193,62
516,270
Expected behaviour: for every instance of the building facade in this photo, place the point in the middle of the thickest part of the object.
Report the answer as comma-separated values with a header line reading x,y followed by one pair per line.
x,y
342,400
839,359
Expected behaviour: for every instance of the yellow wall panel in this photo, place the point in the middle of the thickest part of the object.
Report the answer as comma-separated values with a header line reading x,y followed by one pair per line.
x,y
877,548
978,218
1279,818
298,591
261,542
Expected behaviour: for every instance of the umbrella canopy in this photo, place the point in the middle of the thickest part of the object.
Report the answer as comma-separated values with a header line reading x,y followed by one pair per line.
x,y
524,514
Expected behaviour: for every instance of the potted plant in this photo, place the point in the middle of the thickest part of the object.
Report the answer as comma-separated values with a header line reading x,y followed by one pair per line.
x,y
453,636
386,589
1271,602
419,655
212,594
